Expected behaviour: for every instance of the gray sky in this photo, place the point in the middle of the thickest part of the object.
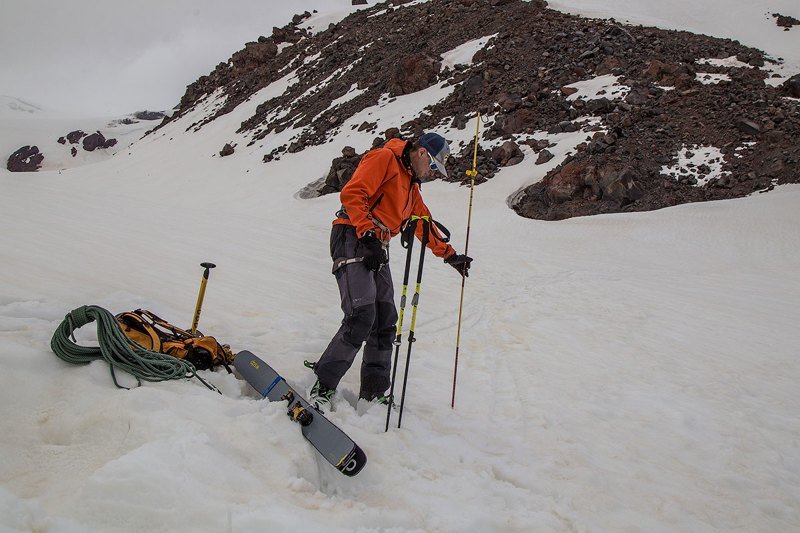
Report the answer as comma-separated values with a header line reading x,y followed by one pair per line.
x,y
116,57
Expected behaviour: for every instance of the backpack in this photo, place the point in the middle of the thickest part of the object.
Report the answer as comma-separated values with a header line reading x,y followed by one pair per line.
x,y
156,334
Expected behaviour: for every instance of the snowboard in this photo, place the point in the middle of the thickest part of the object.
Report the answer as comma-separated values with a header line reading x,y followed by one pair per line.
x,y
331,442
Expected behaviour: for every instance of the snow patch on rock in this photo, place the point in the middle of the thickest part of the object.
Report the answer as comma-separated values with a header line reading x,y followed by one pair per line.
x,y
607,86
697,165
463,54
710,78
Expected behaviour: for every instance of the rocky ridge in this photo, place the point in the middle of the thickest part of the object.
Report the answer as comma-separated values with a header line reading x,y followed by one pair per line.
x,y
684,93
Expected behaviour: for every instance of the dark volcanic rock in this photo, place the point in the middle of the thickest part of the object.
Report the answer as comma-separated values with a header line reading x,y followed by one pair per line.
x,y
341,170
149,115
507,154
254,56
544,157
792,86
226,150
678,75
785,21
74,137
26,159
581,187
620,186
748,126
97,140
413,73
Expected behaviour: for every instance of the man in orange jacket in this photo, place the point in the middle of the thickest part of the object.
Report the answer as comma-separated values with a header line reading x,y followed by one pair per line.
x,y
383,192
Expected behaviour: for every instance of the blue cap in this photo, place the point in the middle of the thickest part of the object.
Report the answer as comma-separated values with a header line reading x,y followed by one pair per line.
x,y
438,150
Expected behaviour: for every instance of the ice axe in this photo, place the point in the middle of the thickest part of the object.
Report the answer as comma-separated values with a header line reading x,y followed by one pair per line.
x,y
203,283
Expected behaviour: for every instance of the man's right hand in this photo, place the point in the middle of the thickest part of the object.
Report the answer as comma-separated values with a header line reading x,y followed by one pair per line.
x,y
374,254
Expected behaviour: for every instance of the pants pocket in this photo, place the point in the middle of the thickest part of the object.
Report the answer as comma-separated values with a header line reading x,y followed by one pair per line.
x,y
343,241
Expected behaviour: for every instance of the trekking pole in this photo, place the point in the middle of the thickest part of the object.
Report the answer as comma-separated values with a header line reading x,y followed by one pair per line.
x,y
203,282
414,303
408,237
471,173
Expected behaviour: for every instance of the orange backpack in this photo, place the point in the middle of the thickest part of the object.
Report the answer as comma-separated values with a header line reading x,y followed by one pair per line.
x,y
153,333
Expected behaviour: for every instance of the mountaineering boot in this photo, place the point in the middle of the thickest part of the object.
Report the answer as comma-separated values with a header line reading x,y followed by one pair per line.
x,y
321,395
377,397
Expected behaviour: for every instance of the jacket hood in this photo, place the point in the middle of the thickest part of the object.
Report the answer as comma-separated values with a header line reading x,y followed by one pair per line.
x,y
397,146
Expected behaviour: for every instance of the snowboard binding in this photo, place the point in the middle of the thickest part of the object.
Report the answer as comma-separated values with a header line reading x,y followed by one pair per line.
x,y
296,411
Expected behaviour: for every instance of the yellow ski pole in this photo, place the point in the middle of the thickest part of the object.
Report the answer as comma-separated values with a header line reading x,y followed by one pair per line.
x,y
409,242
414,303
471,173
203,282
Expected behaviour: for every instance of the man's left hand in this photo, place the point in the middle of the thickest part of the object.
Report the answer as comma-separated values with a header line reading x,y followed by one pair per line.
x,y
460,262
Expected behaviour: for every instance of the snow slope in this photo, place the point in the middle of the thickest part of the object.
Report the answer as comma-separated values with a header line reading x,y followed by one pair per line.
x,y
625,372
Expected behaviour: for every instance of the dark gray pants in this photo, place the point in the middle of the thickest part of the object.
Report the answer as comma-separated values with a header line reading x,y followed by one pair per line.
x,y
369,316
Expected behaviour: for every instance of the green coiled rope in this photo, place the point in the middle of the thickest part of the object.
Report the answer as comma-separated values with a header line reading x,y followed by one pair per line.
x,y
116,349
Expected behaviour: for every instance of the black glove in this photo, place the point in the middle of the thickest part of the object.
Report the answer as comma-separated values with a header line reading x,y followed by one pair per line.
x,y
374,254
460,262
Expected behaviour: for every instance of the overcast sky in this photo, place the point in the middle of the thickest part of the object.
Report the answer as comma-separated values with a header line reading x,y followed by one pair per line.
x,y
116,57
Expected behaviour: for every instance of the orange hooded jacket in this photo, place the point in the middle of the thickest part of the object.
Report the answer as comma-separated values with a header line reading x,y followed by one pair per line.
x,y
381,188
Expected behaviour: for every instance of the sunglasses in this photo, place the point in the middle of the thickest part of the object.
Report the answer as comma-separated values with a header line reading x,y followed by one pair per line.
x,y
435,164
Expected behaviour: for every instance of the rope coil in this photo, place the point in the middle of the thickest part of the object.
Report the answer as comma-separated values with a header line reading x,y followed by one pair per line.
x,y
116,349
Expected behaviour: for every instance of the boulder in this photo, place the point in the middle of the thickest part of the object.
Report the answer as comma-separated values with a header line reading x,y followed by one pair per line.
x,y
785,21
507,154
74,137
26,159
413,73
226,150
792,86
600,106
678,75
288,34
749,127
544,157
517,121
341,170
568,182
97,140
622,187
391,133
474,85
608,66
149,115
254,55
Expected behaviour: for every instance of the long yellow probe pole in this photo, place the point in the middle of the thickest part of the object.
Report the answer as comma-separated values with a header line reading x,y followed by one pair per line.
x,y
471,173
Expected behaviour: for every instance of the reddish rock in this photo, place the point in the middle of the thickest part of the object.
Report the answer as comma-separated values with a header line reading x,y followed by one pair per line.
x,y
414,73
678,75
